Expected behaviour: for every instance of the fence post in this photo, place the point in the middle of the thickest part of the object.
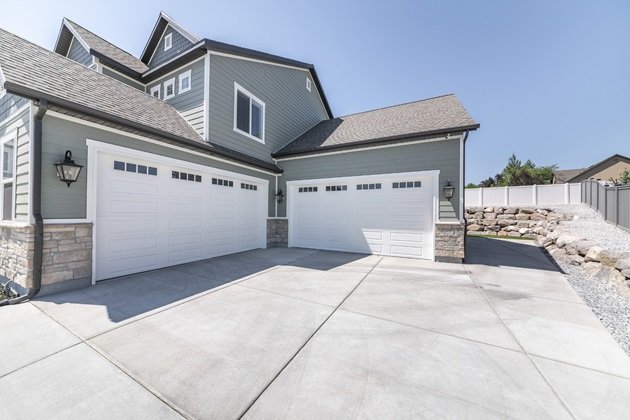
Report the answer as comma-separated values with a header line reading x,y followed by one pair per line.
x,y
616,205
507,196
567,198
535,194
480,196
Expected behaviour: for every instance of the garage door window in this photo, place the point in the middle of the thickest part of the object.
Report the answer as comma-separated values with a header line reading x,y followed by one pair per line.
x,y
336,188
185,176
307,189
364,187
407,184
222,182
135,168
250,187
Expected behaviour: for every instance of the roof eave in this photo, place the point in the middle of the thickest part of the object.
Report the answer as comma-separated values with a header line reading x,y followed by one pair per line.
x,y
109,62
36,95
377,142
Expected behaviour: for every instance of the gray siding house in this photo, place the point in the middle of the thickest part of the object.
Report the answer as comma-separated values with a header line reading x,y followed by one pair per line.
x,y
198,149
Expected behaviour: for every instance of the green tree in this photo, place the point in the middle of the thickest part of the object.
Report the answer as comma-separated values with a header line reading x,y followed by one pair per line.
x,y
624,178
518,173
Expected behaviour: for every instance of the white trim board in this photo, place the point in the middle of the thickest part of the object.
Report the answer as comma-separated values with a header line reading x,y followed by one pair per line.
x,y
206,96
61,116
178,69
75,35
66,221
252,98
367,147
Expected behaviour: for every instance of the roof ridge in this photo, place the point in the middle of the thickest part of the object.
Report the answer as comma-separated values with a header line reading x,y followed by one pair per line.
x,y
397,105
100,37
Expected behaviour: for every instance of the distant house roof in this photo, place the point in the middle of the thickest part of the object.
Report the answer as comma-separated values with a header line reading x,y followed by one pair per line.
x,y
576,175
104,50
36,73
428,117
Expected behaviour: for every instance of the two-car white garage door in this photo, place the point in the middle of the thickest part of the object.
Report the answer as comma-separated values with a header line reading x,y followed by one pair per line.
x,y
387,214
154,213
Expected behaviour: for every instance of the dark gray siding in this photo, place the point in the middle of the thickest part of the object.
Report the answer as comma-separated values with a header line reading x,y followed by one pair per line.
x,y
189,104
180,44
290,108
9,104
20,126
438,155
79,54
121,78
60,202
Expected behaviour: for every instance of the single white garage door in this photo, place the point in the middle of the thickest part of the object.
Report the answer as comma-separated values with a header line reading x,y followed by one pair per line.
x,y
151,215
387,214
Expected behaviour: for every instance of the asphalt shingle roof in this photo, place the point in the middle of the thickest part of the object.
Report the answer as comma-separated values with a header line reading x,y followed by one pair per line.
x,y
108,49
435,115
36,72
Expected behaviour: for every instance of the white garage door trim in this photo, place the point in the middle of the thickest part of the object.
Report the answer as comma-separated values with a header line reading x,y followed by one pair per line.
x,y
433,174
96,148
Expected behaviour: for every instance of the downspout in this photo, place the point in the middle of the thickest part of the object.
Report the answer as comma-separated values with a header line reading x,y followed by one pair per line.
x,y
36,155
464,195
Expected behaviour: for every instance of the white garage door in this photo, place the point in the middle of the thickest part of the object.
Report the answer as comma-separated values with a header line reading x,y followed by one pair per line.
x,y
386,214
151,215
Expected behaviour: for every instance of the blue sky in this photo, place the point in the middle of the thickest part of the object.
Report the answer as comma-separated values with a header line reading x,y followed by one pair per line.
x,y
547,80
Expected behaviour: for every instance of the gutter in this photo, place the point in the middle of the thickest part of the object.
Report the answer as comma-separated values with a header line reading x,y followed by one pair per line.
x,y
36,155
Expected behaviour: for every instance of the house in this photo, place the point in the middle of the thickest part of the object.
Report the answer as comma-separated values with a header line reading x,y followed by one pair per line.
x,y
199,149
609,168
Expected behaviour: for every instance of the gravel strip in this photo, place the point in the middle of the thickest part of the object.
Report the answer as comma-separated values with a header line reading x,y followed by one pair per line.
x,y
604,299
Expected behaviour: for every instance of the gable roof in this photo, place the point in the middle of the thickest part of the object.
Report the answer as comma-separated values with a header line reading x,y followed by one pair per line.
x,y
428,117
163,21
99,47
37,73
564,175
599,166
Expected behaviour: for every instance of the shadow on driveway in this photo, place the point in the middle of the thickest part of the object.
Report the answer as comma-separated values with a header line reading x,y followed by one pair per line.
x,y
129,296
508,253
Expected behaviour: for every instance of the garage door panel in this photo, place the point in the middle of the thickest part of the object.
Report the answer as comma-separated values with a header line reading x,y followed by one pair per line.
x,y
144,222
385,220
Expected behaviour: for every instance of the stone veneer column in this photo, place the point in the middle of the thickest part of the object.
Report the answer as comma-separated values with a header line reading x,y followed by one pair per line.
x,y
277,233
16,251
449,242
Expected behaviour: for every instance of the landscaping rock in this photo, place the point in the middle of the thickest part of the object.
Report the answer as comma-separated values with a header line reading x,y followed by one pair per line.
x,y
556,252
594,254
537,216
626,274
490,216
511,210
487,222
504,222
473,228
522,224
582,246
524,231
592,268
478,215
521,216
527,210
542,212
623,264
514,234
488,210
565,240
575,259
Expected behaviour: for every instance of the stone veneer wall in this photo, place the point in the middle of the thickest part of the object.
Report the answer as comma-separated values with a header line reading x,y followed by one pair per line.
x,y
277,232
511,221
66,259
449,242
16,250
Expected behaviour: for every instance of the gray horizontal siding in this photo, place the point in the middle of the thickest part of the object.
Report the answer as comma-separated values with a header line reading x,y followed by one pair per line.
x,y
180,44
9,104
437,155
79,54
290,108
188,103
20,126
60,202
121,78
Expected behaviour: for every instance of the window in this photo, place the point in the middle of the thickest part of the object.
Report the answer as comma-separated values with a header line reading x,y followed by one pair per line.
x,y
184,81
307,189
168,42
336,188
135,168
185,176
364,187
249,114
222,182
250,187
169,88
407,184
155,91
308,84
8,165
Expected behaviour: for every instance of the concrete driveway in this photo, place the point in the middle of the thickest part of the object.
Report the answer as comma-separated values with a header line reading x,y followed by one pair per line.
x,y
294,333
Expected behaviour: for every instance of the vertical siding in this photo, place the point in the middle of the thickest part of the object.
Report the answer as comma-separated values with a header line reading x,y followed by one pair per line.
x,y
121,78
60,202
438,155
20,126
79,54
180,44
289,107
189,104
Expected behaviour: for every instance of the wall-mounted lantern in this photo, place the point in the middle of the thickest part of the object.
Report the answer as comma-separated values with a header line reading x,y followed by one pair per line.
x,y
448,190
68,171
279,196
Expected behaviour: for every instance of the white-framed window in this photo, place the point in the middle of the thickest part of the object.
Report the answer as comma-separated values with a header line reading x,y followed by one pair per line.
x,y
169,88
155,91
308,84
185,81
7,181
249,114
168,41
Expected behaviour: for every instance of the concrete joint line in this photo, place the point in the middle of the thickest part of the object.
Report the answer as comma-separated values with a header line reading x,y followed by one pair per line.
x,y
525,352
308,340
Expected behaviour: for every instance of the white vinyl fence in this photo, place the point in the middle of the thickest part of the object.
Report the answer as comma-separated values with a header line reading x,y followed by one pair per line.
x,y
528,195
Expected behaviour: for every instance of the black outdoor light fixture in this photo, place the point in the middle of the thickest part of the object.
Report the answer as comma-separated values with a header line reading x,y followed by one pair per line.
x,y
449,190
68,171
279,196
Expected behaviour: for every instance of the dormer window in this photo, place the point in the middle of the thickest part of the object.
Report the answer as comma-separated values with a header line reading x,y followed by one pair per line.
x,y
184,81
249,114
155,91
168,42
308,84
169,88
